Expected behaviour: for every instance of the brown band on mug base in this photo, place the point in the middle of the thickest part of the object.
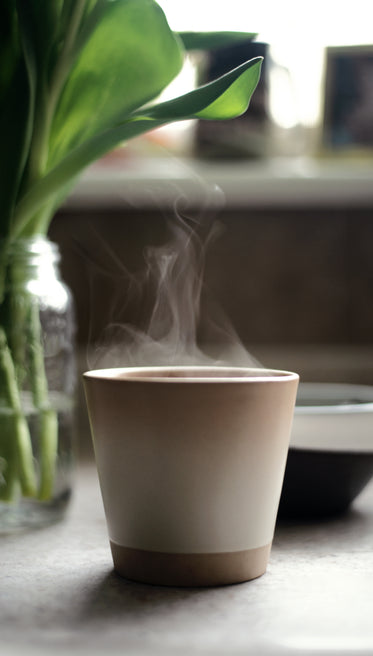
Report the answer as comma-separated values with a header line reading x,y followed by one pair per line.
x,y
205,569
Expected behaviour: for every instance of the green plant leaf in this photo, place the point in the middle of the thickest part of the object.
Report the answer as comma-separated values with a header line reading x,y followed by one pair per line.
x,y
129,58
226,97
17,88
39,24
9,46
213,40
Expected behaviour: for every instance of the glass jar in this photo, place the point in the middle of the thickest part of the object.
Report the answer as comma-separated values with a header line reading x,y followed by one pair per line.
x,y
37,385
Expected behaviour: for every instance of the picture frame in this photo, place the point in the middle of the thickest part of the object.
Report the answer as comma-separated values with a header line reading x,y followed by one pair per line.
x,y
347,121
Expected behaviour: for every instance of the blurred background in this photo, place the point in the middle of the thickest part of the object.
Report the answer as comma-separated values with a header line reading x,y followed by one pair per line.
x,y
290,185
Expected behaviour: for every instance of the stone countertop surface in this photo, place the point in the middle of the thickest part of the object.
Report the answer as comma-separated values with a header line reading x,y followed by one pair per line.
x,y
59,594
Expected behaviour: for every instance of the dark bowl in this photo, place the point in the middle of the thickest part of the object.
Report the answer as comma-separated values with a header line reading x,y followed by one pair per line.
x,y
330,457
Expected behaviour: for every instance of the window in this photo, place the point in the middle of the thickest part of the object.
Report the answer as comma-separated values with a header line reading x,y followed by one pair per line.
x,y
297,31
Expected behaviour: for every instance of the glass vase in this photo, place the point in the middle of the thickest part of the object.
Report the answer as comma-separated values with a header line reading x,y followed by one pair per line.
x,y
37,385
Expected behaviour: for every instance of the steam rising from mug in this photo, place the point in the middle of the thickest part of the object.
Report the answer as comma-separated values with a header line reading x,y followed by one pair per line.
x,y
171,287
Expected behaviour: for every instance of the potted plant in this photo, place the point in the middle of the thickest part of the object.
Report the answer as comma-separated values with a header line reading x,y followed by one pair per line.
x,y
77,78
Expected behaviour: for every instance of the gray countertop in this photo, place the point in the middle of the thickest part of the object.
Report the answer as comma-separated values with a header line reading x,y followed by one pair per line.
x,y
59,594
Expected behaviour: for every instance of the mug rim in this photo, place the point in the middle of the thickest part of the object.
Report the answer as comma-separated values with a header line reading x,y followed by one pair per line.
x,y
190,374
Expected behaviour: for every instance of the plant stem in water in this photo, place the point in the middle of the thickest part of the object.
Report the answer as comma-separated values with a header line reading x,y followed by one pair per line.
x,y
48,427
21,434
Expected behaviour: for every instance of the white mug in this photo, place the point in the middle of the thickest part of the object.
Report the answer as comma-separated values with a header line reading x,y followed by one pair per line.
x,y
191,463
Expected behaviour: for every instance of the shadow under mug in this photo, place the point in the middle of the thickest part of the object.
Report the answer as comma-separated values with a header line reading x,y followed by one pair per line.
x,y
191,463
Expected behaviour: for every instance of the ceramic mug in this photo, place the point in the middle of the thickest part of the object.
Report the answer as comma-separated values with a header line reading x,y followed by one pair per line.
x,y
191,463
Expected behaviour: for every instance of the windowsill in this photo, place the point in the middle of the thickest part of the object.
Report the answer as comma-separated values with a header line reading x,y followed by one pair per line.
x,y
144,182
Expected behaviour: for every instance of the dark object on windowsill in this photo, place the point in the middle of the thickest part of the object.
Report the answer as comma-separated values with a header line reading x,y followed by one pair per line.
x,y
247,135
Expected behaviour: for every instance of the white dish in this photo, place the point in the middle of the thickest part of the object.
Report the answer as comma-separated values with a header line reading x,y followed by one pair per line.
x,y
330,458
333,417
